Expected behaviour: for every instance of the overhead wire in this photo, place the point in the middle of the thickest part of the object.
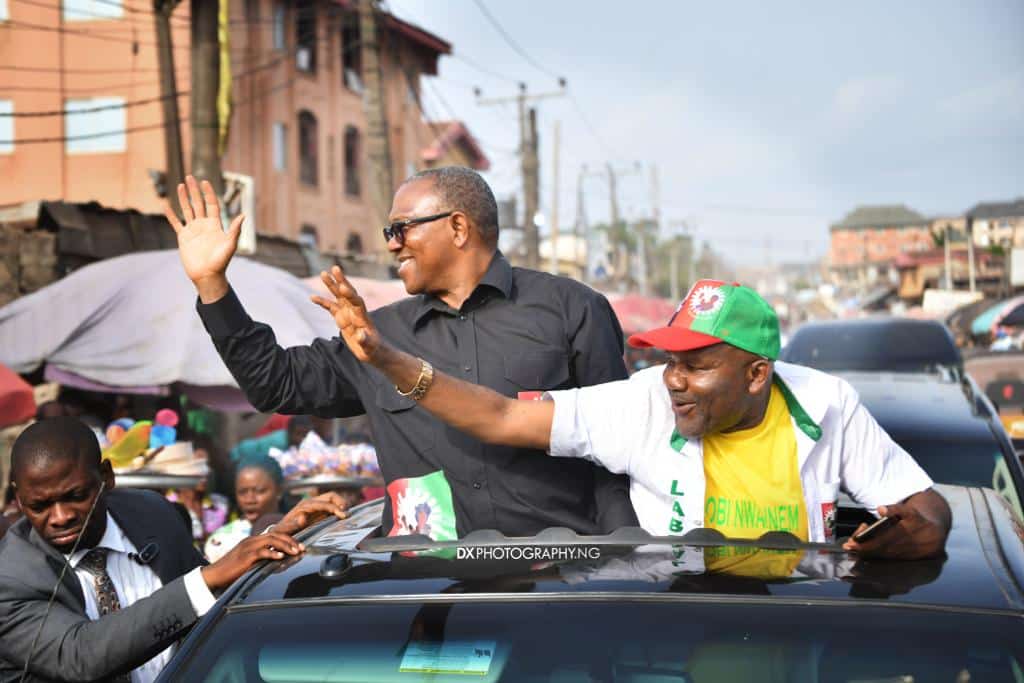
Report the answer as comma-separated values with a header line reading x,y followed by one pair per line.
x,y
512,43
280,58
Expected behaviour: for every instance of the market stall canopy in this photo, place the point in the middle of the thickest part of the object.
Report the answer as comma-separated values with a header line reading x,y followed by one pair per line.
x,y
17,403
129,324
640,313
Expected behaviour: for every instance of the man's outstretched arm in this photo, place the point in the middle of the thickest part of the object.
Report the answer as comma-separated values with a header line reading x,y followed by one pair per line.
x,y
478,411
314,379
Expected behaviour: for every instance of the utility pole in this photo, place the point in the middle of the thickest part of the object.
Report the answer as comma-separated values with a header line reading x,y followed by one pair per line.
x,y
656,225
555,142
678,254
579,228
945,244
970,251
174,171
378,148
621,252
205,85
528,148
531,190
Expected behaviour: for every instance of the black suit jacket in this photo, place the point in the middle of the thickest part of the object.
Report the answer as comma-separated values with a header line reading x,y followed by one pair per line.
x,y
71,647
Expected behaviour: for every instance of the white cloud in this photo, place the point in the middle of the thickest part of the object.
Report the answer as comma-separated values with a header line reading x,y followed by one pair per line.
x,y
859,99
1002,96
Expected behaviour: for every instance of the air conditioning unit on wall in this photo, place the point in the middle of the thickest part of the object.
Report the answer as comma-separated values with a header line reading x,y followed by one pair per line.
x,y
303,59
239,197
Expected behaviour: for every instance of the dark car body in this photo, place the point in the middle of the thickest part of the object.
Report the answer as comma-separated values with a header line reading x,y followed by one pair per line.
x,y
947,425
874,344
624,607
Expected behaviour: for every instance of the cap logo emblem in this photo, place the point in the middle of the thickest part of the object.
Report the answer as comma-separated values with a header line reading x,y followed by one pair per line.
x,y
706,301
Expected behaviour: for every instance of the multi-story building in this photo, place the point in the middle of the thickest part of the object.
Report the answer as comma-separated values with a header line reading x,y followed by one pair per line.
x,y
81,113
998,224
865,244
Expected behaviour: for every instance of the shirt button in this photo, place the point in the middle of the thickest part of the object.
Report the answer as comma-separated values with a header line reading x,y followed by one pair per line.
x,y
477,485
462,317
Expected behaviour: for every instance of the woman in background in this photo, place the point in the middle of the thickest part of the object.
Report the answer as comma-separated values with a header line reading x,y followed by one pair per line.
x,y
258,491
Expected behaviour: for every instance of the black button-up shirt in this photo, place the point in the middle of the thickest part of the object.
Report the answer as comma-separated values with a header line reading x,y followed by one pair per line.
x,y
520,330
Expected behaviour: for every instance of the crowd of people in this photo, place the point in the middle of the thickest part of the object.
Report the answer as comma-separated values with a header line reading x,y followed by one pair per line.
x,y
720,436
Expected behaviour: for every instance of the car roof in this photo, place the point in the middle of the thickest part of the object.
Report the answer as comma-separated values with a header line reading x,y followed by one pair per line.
x,y
982,573
921,405
872,343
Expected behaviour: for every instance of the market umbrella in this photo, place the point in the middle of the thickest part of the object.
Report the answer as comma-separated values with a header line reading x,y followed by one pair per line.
x,y
1012,314
129,324
638,313
983,323
17,403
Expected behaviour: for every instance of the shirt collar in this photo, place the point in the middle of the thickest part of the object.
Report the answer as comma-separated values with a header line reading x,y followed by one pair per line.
x,y
498,277
113,539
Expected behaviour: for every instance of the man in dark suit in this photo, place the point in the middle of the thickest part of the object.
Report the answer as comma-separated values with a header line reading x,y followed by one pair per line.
x,y
125,579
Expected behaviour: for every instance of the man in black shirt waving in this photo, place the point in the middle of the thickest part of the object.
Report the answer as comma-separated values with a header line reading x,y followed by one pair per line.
x,y
471,315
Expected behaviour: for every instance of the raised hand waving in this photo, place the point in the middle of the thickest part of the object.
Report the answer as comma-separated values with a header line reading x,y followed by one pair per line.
x,y
349,313
204,247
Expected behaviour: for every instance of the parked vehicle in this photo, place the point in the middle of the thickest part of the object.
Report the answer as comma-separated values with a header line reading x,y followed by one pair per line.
x,y
874,344
1000,374
949,426
624,607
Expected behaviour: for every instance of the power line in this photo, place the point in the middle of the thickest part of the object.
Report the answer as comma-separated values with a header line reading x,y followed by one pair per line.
x,y
138,129
134,103
91,110
86,13
15,23
590,127
483,70
513,44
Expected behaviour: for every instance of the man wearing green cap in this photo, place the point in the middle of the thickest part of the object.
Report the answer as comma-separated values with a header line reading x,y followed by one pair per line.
x,y
722,436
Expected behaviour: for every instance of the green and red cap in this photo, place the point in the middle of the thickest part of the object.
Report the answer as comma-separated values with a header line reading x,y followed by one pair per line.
x,y
714,312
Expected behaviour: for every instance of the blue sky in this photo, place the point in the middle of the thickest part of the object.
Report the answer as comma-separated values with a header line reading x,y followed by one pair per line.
x,y
766,121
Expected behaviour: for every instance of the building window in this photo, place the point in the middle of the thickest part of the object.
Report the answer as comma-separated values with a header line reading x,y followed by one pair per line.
x,y
305,36
308,161
351,54
308,236
279,27
89,10
351,154
252,12
354,243
6,127
97,128
279,144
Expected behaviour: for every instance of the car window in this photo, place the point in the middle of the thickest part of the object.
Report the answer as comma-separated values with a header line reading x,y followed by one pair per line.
x,y
604,641
965,464
895,348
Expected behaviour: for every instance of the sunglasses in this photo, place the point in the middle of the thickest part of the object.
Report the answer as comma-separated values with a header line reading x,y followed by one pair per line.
x,y
396,230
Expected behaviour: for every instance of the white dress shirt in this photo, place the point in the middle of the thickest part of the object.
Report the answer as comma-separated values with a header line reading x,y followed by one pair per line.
x,y
134,581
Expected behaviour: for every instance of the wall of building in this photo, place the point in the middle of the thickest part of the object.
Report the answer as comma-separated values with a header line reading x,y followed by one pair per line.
x,y
82,58
268,88
858,246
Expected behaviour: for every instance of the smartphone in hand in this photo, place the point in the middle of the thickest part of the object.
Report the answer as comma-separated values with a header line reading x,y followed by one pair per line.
x,y
875,529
